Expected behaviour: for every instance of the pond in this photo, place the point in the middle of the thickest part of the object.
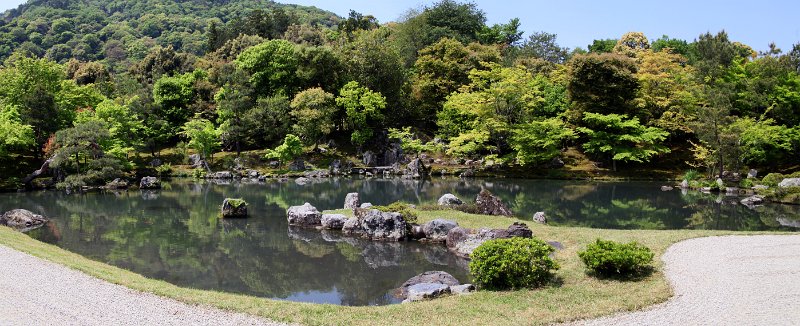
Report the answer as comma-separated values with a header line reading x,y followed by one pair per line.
x,y
175,234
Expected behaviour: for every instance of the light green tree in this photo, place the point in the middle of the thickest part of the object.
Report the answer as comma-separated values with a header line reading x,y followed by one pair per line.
x,y
13,133
291,148
621,138
203,137
363,109
314,110
540,141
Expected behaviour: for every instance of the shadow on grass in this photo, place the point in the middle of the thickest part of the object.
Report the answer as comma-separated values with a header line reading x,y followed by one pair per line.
x,y
635,276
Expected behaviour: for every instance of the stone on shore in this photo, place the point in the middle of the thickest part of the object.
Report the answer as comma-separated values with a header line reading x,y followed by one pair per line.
x,y
438,229
540,217
489,204
376,225
449,200
22,220
426,291
304,215
430,277
333,221
789,182
352,201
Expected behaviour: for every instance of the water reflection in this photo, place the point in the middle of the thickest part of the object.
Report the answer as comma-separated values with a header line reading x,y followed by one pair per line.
x,y
175,234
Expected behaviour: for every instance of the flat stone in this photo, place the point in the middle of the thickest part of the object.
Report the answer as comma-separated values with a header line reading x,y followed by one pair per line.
x,y
333,221
424,291
462,289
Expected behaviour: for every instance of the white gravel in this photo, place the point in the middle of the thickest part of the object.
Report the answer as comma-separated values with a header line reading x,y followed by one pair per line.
x,y
732,280
37,292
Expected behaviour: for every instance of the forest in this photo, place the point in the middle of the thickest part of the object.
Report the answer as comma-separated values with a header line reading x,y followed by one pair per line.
x,y
91,85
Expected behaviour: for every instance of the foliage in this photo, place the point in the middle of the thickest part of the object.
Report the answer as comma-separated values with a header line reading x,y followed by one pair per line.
x,y
514,263
363,109
314,110
409,142
202,135
80,153
291,148
602,83
632,44
409,214
622,138
691,175
272,66
164,170
608,258
13,134
540,141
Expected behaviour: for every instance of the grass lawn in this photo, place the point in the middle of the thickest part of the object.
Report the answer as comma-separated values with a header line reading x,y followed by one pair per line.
x,y
573,295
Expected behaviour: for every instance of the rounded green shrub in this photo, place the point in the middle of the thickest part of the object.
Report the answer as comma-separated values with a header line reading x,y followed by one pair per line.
x,y
610,258
512,263
772,179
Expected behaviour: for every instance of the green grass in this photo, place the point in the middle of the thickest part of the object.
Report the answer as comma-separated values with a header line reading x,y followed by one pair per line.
x,y
574,295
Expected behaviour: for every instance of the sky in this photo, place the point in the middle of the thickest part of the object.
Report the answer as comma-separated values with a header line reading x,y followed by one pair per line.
x,y
578,22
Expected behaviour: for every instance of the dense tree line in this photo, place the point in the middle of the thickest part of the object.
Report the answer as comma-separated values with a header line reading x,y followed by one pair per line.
x,y
438,80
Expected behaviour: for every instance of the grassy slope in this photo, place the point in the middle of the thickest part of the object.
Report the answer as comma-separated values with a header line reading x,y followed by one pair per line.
x,y
578,295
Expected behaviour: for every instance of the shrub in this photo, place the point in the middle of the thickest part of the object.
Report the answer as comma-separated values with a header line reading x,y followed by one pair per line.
x,y
404,209
512,263
691,175
611,258
164,170
772,179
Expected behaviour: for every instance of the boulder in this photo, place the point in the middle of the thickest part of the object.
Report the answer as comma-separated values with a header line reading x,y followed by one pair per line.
x,y
556,163
195,160
304,215
752,173
352,201
789,182
365,205
449,200
232,207
752,201
416,232
376,225
297,165
720,184
22,220
456,235
431,277
238,165
393,154
416,169
464,241
685,184
426,291
369,159
666,188
540,217
438,229
316,174
489,204
514,230
156,162
336,167
149,183
462,289
117,184
468,173
220,175
333,221
302,181
253,174
788,222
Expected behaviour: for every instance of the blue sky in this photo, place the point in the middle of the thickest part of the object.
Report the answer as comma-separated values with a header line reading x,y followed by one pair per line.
x,y
577,23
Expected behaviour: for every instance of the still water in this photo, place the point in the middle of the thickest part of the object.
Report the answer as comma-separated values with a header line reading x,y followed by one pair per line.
x,y
175,234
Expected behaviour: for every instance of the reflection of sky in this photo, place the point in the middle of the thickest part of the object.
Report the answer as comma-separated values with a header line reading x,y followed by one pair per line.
x,y
333,297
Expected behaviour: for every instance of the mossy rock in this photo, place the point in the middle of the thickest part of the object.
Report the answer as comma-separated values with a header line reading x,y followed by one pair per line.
x,y
234,207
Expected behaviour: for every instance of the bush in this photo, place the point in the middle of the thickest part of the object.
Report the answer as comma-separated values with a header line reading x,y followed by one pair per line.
x,y
611,258
512,263
691,175
164,170
404,209
772,179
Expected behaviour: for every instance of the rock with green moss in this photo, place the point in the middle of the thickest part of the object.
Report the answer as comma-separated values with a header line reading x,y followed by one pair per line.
x,y
234,207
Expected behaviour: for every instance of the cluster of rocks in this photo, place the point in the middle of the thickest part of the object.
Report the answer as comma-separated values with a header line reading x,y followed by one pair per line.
x,y
22,220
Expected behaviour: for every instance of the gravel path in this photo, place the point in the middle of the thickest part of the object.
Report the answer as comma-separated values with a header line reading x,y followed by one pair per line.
x,y
37,292
732,280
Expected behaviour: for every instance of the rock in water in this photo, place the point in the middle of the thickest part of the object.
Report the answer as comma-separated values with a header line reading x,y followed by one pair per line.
x,y
684,184
540,217
232,207
220,175
149,183
304,215
752,201
666,188
438,229
489,204
22,220
297,165
352,201
416,169
449,200
333,221
376,225
117,184
302,181
431,277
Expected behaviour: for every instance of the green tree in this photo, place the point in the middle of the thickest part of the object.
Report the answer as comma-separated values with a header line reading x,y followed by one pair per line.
x,y
602,46
13,133
291,148
80,153
632,44
314,110
542,45
540,141
602,83
363,109
272,66
124,126
621,138
203,137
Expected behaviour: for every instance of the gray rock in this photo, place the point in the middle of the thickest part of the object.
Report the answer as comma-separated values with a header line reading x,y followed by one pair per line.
x,y
156,162
464,241
297,165
416,169
117,184
438,229
417,232
468,173
352,201
425,291
752,201
302,181
685,184
149,183
449,200
333,221
788,222
376,225
393,154
369,159
540,217
789,182
369,174
22,220
752,173
462,289
489,204
666,188
556,163
336,167
195,160
516,229
720,184
305,215
253,174
732,191
430,277
316,174
365,205
220,175
234,208
456,235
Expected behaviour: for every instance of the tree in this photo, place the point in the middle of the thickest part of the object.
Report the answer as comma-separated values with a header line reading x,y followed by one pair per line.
x,y
711,120
272,66
363,109
234,100
506,35
763,142
666,87
602,46
672,45
409,142
203,137
602,83
632,44
356,21
269,120
542,45
540,141
314,110
124,126
13,133
621,138
81,155
447,18
291,148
